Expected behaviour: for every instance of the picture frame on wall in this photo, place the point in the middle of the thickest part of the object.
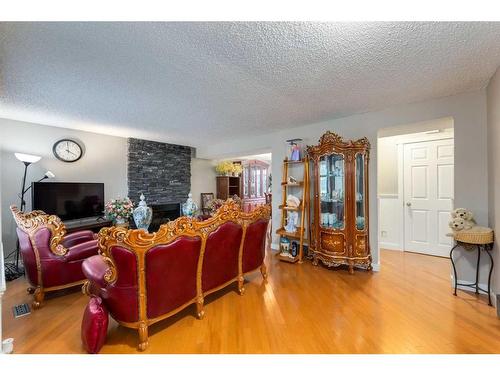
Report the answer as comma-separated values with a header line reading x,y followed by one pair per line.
x,y
206,198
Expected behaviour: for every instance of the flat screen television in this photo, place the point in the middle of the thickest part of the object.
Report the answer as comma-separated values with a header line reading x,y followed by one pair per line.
x,y
68,200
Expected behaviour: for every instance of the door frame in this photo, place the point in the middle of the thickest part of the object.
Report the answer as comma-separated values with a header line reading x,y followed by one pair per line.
x,y
421,138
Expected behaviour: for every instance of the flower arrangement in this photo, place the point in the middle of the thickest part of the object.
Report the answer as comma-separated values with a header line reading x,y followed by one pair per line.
x,y
119,210
237,169
226,168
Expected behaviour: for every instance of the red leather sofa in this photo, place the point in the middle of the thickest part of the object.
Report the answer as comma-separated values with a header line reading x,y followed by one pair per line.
x,y
52,259
143,278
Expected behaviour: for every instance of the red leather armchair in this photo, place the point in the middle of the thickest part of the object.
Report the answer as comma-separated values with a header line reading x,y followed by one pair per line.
x,y
143,278
52,259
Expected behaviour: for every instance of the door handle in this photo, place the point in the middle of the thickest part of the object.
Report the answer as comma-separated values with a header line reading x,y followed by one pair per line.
x,y
408,204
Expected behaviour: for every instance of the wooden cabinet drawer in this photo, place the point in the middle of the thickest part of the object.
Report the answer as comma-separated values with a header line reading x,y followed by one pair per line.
x,y
333,243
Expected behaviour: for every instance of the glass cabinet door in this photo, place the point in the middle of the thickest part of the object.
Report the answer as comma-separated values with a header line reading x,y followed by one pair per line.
x,y
360,191
245,182
332,188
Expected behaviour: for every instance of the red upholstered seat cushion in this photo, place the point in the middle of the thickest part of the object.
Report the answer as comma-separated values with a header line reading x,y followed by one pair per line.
x,y
94,325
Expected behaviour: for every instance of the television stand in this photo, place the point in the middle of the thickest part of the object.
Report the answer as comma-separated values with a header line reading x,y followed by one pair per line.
x,y
90,223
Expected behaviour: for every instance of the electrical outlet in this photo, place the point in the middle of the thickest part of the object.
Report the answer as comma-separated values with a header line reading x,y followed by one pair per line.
x,y
383,233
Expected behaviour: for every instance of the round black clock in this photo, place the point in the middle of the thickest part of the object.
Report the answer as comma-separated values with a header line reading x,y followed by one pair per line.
x,y
67,150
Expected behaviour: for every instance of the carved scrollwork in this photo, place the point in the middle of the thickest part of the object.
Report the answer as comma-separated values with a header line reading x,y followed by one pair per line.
x,y
330,142
32,221
138,240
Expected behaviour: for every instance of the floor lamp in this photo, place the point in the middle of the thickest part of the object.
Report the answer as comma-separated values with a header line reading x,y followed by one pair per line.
x,y
15,272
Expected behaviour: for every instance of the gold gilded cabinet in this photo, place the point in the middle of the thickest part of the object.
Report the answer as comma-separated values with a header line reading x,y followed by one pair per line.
x,y
340,202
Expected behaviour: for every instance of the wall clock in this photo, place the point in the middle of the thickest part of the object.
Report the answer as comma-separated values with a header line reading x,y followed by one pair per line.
x,y
67,150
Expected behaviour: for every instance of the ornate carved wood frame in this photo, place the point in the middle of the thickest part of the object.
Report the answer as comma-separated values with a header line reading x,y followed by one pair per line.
x,y
30,223
333,143
139,242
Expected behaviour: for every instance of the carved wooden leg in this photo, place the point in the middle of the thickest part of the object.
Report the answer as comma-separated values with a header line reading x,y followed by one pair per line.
x,y
351,269
38,297
263,271
315,260
241,288
143,337
370,267
30,290
200,311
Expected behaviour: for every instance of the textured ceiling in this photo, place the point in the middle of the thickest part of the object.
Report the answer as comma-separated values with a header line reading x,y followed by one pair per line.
x,y
192,83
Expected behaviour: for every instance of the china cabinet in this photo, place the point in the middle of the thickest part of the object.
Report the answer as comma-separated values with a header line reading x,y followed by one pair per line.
x,y
255,182
340,202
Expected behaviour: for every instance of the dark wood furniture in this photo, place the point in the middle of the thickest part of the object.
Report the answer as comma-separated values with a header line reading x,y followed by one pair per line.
x,y
227,186
255,181
340,221
93,224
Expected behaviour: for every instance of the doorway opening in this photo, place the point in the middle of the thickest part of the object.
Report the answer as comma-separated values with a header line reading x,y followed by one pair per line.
x,y
255,180
416,187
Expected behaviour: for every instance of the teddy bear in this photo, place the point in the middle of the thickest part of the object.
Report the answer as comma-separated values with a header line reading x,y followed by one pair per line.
x,y
458,224
462,213
461,219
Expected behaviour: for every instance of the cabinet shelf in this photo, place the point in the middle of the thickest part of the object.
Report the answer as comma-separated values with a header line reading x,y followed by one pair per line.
x,y
287,259
286,161
295,235
298,183
287,208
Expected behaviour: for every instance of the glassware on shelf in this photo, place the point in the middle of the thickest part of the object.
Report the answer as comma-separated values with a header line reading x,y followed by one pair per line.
x,y
332,185
360,199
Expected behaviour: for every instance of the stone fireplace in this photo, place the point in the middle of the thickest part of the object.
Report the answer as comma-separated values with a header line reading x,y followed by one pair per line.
x,y
160,171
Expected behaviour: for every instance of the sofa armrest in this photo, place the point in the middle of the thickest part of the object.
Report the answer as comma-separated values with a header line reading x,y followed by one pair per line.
x,y
76,238
94,269
82,251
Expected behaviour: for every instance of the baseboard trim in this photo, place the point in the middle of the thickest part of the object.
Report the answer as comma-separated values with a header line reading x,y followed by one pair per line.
x,y
376,267
390,246
470,288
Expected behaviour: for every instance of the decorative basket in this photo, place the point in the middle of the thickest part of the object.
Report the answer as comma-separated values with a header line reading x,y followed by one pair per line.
x,y
475,235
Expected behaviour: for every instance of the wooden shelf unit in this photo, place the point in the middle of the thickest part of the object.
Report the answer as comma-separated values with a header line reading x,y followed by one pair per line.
x,y
303,209
227,186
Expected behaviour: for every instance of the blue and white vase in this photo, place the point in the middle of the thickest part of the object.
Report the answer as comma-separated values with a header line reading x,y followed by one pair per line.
x,y
142,215
189,208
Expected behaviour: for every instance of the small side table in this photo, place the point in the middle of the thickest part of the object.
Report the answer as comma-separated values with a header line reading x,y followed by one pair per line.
x,y
469,240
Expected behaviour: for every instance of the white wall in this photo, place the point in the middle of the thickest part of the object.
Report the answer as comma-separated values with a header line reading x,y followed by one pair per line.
x,y
468,112
104,160
493,105
203,178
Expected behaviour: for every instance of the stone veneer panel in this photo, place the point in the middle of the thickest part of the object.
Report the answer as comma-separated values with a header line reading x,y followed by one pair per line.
x,y
161,171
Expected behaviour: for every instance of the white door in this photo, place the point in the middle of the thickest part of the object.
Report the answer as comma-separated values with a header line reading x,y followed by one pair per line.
x,y
428,196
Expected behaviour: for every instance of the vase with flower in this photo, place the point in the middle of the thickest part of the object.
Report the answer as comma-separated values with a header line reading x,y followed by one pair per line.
x,y
119,210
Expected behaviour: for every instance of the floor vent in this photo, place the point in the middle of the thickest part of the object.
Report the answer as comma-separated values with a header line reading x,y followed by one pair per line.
x,y
21,310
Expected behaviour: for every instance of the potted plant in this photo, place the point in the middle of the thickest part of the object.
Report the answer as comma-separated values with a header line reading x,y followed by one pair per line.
x,y
119,210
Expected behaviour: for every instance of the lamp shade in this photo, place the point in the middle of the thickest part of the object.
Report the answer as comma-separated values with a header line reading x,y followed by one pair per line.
x,y
27,158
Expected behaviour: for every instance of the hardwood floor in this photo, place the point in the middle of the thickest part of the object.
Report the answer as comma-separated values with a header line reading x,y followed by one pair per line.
x,y
408,307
